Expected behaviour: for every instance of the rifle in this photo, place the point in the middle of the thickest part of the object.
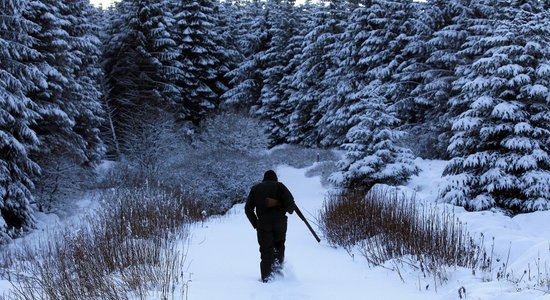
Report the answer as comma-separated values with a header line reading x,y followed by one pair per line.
x,y
301,215
271,202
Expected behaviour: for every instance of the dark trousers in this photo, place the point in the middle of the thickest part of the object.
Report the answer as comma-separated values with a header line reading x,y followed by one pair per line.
x,y
271,237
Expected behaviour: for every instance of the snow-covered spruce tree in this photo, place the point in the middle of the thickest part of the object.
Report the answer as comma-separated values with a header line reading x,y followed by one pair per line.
x,y
246,80
141,66
316,60
286,36
442,34
116,84
249,27
85,45
200,52
302,15
341,82
68,107
17,138
385,50
500,146
152,25
372,154
226,30
372,42
367,50
55,60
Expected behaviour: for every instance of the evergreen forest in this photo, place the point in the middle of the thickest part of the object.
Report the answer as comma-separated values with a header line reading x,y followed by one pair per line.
x,y
384,81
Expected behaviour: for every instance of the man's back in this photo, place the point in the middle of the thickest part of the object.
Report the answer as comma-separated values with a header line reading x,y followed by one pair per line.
x,y
258,199
266,208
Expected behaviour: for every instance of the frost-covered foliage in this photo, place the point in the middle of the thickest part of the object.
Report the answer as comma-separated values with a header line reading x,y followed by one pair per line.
x,y
501,140
216,165
17,115
221,165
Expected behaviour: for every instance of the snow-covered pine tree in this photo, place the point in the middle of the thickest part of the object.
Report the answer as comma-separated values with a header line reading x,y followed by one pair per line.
x,y
368,47
384,50
500,146
152,24
141,65
374,41
316,60
17,138
286,35
407,79
228,13
246,80
445,30
372,154
119,71
70,114
200,52
341,82
87,72
56,62
249,27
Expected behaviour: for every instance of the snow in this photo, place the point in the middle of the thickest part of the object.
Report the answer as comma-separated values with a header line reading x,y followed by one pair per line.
x,y
222,257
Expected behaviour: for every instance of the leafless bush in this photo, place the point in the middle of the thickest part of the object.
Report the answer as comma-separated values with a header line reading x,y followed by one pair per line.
x,y
132,248
59,181
216,165
390,226
345,219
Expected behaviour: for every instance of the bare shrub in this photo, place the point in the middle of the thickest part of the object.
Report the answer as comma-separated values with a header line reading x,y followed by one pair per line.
x,y
132,248
216,165
388,226
59,181
344,218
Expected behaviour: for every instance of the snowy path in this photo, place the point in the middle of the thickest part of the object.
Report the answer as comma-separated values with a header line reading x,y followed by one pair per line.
x,y
224,259
223,256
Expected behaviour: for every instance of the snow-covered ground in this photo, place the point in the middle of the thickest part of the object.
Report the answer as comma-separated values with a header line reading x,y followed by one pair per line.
x,y
223,257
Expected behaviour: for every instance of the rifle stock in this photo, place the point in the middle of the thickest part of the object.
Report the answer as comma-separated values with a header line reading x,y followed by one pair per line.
x,y
301,215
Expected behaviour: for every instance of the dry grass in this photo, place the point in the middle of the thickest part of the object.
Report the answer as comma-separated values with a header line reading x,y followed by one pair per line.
x,y
387,225
132,248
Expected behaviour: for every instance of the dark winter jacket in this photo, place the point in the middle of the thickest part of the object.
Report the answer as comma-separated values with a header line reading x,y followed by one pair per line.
x,y
257,199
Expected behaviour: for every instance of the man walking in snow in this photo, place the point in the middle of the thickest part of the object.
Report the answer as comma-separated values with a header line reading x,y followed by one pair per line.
x,y
271,200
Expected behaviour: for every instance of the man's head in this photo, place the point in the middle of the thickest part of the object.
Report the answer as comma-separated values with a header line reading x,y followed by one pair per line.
x,y
270,175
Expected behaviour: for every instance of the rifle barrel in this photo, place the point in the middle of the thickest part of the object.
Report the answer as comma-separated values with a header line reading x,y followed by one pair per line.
x,y
301,215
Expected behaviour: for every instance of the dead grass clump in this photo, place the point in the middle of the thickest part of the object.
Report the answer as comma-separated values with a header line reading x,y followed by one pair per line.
x,y
131,248
388,225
